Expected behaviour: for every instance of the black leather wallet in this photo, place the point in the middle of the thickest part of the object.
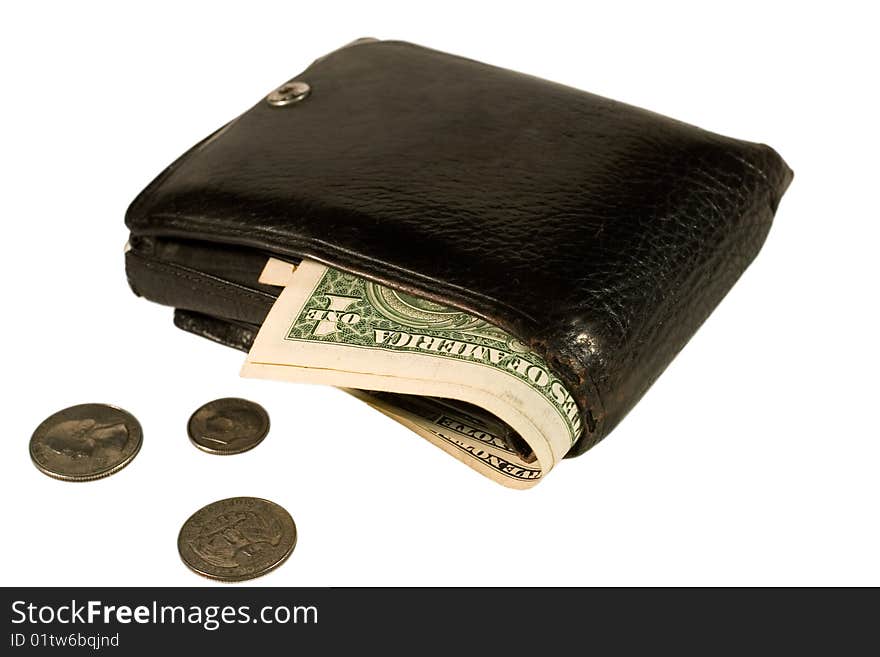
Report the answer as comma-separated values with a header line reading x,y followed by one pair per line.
x,y
600,234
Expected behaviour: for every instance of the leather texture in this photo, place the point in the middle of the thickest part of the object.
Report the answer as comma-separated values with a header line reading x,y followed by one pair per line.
x,y
600,234
231,334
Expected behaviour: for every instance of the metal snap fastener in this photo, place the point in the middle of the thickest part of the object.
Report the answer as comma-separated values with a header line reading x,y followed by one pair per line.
x,y
288,93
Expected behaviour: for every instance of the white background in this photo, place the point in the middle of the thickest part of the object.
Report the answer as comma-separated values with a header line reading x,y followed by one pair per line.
x,y
753,460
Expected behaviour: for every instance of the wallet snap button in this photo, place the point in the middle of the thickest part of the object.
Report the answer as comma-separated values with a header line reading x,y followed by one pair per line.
x,y
289,93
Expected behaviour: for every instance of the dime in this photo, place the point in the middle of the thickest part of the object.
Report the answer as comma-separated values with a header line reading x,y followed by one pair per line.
x,y
86,442
237,538
228,426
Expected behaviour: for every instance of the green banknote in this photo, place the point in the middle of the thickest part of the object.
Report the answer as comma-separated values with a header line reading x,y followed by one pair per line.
x,y
463,383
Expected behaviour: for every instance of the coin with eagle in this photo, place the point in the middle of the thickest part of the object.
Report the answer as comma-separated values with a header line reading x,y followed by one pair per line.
x,y
228,426
85,442
237,538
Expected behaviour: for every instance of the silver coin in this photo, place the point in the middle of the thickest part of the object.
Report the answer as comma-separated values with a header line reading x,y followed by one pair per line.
x,y
86,442
237,538
228,426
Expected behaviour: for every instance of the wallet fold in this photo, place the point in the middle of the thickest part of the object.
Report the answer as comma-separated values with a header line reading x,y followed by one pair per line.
x,y
600,234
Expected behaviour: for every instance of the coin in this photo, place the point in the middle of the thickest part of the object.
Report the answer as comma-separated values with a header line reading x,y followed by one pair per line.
x,y
86,442
237,538
228,426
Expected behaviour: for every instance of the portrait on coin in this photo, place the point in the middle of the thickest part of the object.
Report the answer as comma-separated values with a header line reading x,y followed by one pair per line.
x,y
86,438
232,425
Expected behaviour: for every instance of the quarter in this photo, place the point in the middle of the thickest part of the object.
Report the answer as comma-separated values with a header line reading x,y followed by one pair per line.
x,y
237,538
86,442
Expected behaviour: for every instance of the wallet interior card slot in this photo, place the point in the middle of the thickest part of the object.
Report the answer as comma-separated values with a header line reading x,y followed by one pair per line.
x,y
210,279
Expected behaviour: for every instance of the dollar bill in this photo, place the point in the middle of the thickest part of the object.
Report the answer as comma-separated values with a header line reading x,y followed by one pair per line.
x,y
466,385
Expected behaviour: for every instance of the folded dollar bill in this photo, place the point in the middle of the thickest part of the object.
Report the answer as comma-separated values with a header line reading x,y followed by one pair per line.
x,y
467,386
